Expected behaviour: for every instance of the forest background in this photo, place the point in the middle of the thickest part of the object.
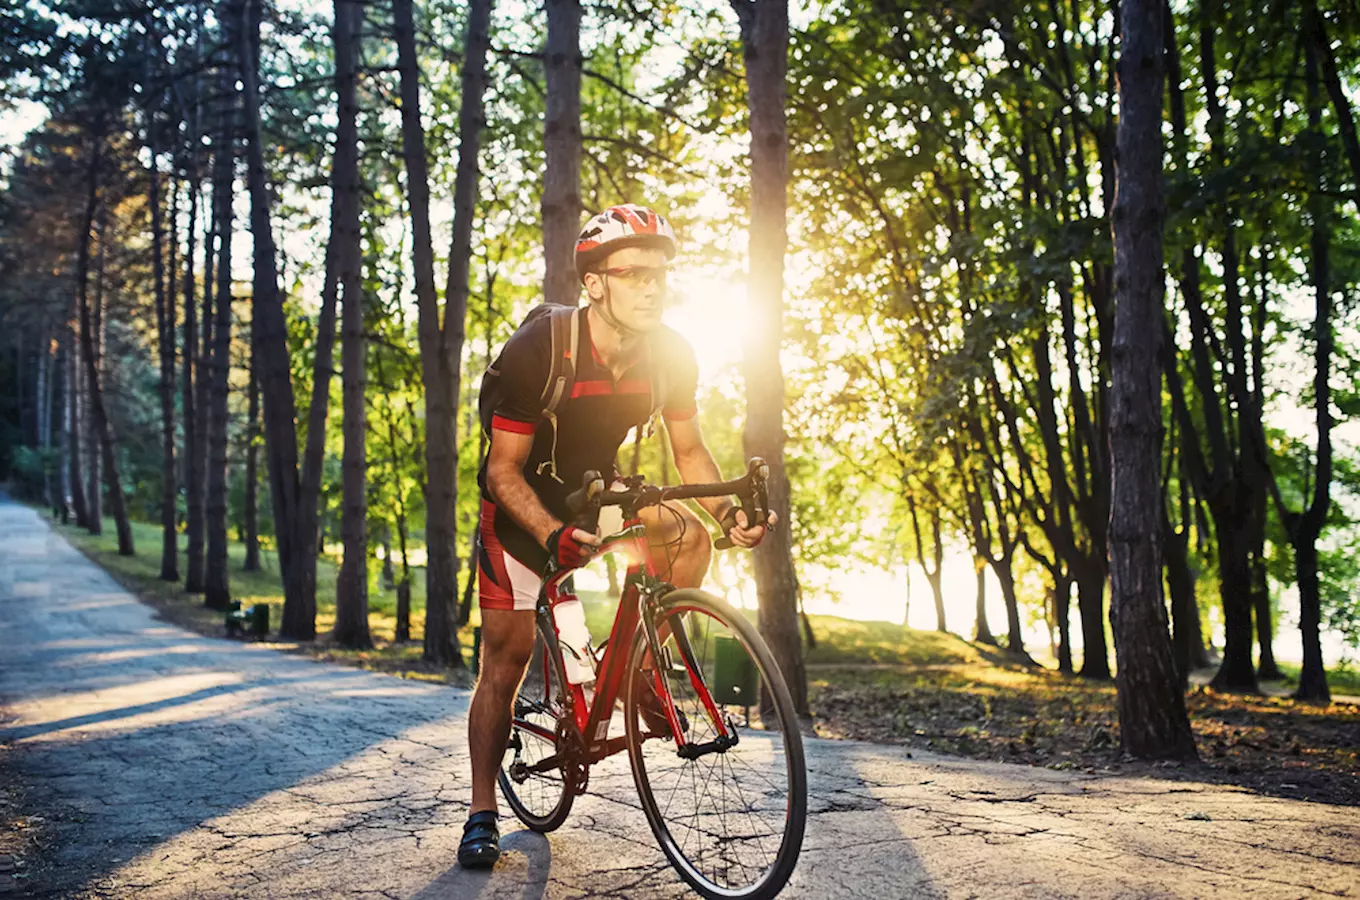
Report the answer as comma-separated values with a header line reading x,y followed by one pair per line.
x,y
223,229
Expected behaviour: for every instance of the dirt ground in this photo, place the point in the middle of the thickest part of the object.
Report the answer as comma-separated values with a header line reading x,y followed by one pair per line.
x,y
1273,745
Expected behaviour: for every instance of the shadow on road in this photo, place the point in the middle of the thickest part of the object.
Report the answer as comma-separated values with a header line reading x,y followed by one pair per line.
x,y
526,859
135,742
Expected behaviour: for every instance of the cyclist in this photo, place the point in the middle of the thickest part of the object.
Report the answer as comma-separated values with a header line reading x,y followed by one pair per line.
x,y
621,258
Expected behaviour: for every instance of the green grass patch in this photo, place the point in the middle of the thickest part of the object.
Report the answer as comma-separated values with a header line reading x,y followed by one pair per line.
x,y
1341,679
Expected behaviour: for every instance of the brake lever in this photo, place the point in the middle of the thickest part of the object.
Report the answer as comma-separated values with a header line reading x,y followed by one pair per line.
x,y
755,502
585,501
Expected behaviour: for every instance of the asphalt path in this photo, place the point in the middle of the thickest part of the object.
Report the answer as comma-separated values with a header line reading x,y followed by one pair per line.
x,y
170,765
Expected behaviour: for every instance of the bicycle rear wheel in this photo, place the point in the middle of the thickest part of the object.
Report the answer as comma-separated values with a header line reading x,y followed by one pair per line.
x,y
730,821
541,800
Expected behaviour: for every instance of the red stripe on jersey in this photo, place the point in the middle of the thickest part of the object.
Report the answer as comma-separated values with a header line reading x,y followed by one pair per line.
x,y
608,388
501,423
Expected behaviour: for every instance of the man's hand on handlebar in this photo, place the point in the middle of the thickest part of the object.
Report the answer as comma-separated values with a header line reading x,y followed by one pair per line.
x,y
736,529
572,547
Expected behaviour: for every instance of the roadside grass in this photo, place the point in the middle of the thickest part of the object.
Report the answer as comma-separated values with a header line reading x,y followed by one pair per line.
x,y
141,575
877,681
1341,679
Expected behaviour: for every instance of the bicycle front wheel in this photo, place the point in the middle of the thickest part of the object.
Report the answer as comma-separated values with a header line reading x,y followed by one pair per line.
x,y
730,820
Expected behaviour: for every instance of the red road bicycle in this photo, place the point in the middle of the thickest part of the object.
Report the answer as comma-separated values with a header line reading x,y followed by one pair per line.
x,y
715,750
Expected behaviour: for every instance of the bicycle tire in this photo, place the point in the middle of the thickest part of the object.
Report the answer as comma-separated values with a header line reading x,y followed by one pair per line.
x,y
774,878
551,818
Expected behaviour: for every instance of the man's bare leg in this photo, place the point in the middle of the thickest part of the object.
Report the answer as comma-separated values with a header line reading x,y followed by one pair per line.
x,y
680,545
507,643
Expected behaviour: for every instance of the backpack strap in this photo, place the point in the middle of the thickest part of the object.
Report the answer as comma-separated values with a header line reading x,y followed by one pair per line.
x,y
658,387
566,340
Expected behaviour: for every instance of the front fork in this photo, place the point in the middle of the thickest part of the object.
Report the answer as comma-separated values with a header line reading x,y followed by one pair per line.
x,y
722,725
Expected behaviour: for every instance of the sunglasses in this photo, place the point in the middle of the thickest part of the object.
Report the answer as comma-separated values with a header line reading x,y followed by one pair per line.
x,y
639,276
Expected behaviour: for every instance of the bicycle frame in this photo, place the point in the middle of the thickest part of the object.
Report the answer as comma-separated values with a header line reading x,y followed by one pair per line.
x,y
642,589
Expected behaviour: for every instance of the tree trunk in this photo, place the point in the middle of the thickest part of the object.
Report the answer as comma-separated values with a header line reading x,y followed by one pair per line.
x,y
1015,638
294,523
351,588
75,464
1152,719
1321,48
1185,627
252,485
764,39
1236,672
1308,527
92,467
1238,493
43,397
1062,612
441,348
193,471
1260,594
562,151
441,570
201,353
62,407
388,573
103,430
216,580
934,576
1095,662
165,331
982,634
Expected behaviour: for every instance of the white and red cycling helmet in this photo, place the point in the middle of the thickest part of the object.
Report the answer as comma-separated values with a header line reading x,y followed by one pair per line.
x,y
625,225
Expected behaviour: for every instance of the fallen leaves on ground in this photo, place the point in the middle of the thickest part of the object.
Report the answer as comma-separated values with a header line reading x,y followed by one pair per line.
x,y
1038,717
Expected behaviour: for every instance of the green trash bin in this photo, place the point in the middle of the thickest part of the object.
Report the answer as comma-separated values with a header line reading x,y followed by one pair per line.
x,y
735,680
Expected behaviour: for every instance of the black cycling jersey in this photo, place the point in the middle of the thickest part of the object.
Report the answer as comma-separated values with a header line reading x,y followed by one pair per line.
x,y
591,424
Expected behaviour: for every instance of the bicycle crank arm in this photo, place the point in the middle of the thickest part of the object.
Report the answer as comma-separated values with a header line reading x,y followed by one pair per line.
x,y
719,744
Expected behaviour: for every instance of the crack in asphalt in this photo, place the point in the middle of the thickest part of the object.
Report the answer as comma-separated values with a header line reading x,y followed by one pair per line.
x,y
287,777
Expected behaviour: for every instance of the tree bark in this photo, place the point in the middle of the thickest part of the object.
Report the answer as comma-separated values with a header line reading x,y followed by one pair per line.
x,y
193,468
201,354
216,580
933,575
1153,723
62,407
561,205
103,430
92,467
165,331
1315,32
252,485
75,465
1233,500
1090,579
441,347
1266,668
351,589
982,632
1185,628
764,39
44,401
1062,611
293,497
1307,528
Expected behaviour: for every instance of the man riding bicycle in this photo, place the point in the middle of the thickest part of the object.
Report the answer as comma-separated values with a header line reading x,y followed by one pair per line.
x,y
541,447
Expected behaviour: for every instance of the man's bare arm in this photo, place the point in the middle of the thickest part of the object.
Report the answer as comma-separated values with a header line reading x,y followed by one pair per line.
x,y
695,464
505,480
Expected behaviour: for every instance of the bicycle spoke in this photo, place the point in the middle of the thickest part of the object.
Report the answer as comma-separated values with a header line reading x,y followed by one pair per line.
x,y
726,816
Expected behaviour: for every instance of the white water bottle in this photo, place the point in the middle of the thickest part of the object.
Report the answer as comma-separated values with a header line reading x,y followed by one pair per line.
x,y
570,617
